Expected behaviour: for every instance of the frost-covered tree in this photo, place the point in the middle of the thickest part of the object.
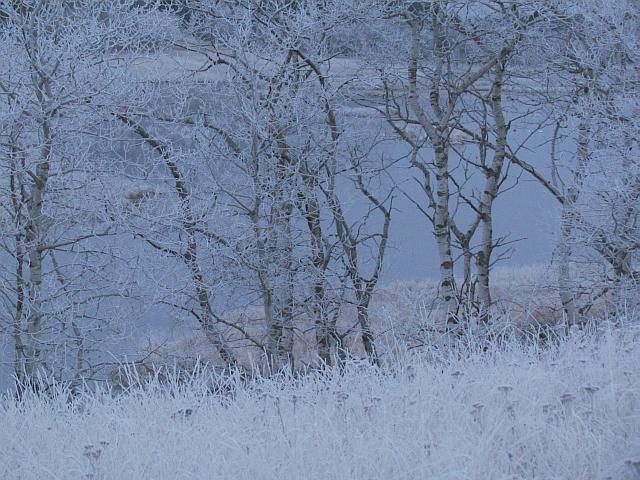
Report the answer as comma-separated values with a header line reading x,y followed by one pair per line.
x,y
591,88
61,271
445,99
263,178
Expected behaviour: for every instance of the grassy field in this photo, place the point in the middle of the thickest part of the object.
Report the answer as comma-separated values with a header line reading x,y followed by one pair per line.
x,y
568,410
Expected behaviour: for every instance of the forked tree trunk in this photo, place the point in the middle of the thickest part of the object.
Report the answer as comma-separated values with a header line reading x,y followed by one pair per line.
x,y
441,227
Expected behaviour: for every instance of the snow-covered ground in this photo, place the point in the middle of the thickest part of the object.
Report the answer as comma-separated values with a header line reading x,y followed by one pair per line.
x,y
569,411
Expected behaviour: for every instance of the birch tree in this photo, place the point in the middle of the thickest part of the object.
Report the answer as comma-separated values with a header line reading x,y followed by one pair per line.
x,y
267,138
58,247
450,111
593,95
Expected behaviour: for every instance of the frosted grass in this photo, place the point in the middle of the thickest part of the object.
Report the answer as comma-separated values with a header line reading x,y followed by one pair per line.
x,y
570,411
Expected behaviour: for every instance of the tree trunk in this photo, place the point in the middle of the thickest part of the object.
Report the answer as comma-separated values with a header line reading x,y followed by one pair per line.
x,y
567,222
363,298
492,184
325,336
34,242
280,333
190,256
442,231
17,198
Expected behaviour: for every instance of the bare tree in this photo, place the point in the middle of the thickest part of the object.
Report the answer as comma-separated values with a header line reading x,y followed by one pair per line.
x,y
267,124
594,91
444,103
60,238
